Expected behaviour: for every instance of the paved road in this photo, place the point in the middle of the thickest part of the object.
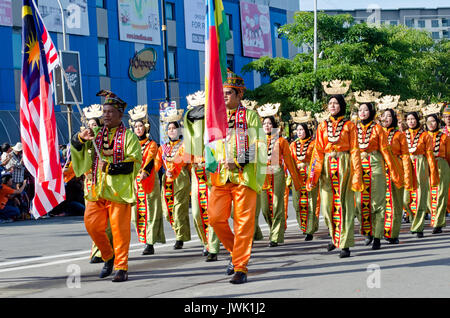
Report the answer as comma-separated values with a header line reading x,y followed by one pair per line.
x,y
49,258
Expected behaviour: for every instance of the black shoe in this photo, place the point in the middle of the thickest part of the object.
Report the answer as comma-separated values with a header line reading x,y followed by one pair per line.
x,y
148,250
230,268
107,268
330,247
376,244
96,259
309,237
273,244
344,253
205,251
419,234
393,241
211,257
437,230
239,278
368,240
120,276
178,245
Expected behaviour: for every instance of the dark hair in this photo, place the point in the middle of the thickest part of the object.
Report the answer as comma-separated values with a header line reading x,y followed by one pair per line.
x,y
416,116
272,120
5,147
372,113
342,104
6,178
438,122
306,129
178,126
394,118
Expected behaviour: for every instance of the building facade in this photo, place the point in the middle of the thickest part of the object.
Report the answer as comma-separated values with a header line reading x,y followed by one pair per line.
x,y
96,28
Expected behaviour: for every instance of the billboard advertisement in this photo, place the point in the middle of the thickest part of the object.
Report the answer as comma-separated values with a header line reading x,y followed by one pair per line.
x,y
255,29
194,17
139,21
5,12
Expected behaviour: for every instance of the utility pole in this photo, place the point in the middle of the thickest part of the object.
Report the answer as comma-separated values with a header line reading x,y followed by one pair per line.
x,y
164,44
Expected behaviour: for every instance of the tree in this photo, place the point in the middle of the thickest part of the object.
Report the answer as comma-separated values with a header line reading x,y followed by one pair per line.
x,y
394,60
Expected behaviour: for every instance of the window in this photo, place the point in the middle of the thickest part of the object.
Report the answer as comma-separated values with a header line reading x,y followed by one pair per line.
x,y
276,26
230,62
435,35
230,21
435,23
445,34
444,22
103,57
172,62
100,3
393,22
170,11
421,23
17,48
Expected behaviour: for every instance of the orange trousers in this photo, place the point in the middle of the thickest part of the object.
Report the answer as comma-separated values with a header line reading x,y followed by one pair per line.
x,y
96,218
239,243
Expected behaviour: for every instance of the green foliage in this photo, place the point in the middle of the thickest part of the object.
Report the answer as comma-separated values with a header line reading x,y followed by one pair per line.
x,y
394,60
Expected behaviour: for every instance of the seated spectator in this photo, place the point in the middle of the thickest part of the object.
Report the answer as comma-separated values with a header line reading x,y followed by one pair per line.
x,y
15,165
8,211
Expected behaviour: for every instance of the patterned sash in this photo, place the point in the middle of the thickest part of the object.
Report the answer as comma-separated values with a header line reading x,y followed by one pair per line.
x,y
169,198
269,192
142,214
200,174
366,215
389,215
434,204
413,194
303,203
336,222
241,131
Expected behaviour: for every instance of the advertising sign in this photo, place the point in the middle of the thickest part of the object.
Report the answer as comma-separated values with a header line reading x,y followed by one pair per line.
x,y
255,29
71,62
5,12
75,15
194,17
139,21
142,63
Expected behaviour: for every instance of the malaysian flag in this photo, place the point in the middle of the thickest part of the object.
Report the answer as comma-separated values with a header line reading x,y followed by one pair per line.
x,y
37,118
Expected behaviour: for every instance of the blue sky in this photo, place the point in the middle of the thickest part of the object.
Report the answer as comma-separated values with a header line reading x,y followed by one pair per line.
x,y
307,5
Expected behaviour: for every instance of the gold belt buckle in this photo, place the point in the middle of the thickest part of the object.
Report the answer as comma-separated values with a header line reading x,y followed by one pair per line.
x,y
333,154
364,155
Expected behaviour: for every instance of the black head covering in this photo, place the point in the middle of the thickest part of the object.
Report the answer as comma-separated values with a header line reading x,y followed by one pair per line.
x,y
438,121
394,123
307,130
342,104
416,116
272,119
372,113
177,124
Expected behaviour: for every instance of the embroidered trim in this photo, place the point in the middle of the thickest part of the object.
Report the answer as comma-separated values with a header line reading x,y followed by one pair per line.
x,y
389,215
200,174
334,135
366,208
336,214
364,137
413,145
302,148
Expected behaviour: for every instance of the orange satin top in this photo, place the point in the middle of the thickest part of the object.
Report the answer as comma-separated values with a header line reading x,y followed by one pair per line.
x,y
425,148
281,155
300,143
400,150
150,152
378,141
173,164
348,142
444,149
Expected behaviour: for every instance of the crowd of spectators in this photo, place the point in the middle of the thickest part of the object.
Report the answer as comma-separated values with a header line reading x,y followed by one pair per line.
x,y
17,188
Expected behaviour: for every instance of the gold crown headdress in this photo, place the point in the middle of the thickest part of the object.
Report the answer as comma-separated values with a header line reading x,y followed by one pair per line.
x,y
432,109
249,104
335,87
366,96
139,113
93,111
268,110
413,105
320,117
387,102
301,116
172,115
196,99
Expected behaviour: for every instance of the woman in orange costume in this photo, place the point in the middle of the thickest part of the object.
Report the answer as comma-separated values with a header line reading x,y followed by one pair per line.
x,y
273,192
375,154
441,149
305,203
446,130
394,195
425,170
176,185
336,168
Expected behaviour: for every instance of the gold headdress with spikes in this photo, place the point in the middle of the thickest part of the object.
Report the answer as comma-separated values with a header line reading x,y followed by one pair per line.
x,y
93,111
301,116
387,102
139,113
432,109
249,104
413,105
320,117
172,115
366,96
268,110
196,99
335,87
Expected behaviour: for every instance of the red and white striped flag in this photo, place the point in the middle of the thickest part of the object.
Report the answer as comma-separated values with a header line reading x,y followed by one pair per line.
x,y
37,118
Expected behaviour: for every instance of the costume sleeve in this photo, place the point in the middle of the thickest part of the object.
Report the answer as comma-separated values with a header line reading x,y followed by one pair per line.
x,y
149,157
391,161
434,173
290,164
317,157
158,159
447,149
355,158
81,157
133,157
408,175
